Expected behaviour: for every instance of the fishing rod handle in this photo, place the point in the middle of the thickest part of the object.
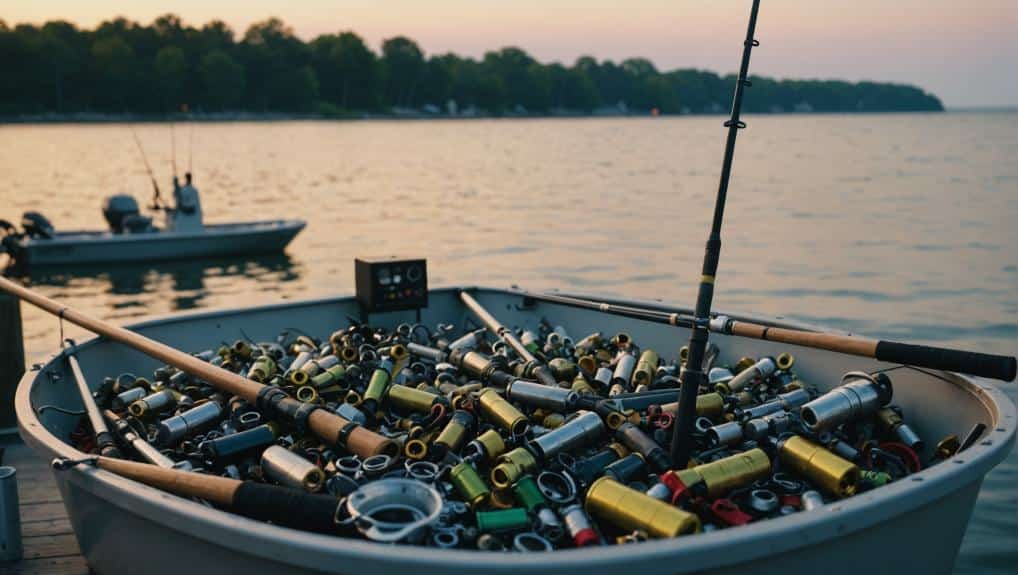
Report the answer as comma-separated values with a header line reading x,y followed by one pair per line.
x,y
281,505
968,362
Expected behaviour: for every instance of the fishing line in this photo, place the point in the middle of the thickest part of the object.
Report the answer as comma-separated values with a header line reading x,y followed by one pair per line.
x,y
300,331
173,148
148,167
248,338
59,409
60,321
920,370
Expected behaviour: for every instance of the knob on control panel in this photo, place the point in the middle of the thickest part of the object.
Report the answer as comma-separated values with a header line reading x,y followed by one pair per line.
x,y
391,284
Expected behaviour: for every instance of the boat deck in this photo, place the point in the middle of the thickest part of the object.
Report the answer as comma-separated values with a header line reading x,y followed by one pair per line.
x,y
50,546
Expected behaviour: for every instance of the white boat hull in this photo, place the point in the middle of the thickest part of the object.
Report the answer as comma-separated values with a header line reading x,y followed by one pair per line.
x,y
105,247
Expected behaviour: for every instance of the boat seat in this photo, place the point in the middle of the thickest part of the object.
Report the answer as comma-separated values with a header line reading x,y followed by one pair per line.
x,y
138,224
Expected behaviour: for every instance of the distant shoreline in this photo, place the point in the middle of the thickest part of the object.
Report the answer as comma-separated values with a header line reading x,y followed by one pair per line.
x,y
983,109
239,117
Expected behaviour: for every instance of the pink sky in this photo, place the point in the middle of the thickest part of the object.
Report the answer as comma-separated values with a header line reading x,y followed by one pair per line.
x,y
965,52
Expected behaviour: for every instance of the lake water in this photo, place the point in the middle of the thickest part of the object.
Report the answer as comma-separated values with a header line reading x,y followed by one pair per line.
x,y
900,226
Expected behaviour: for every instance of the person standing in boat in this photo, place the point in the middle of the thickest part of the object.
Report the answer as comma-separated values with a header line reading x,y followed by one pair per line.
x,y
185,216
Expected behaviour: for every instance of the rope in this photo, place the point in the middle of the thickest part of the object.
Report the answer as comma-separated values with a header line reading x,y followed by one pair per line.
x,y
60,317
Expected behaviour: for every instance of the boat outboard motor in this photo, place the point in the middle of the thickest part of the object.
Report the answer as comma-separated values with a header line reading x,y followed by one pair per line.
x,y
116,210
36,225
8,236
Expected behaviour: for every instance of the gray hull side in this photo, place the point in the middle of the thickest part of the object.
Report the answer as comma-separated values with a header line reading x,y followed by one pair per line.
x,y
924,540
159,246
915,525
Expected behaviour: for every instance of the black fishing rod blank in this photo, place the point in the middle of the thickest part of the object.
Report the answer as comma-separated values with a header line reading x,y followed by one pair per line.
x,y
692,375
652,315
1004,368
156,199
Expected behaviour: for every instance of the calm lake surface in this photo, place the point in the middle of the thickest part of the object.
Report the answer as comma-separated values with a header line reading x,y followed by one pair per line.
x,y
899,226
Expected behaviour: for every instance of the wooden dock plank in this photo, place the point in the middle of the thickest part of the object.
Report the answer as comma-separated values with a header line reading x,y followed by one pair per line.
x,y
42,490
66,565
47,527
42,546
46,533
42,511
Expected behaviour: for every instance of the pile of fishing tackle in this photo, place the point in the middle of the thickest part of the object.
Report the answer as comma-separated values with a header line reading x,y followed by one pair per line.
x,y
489,458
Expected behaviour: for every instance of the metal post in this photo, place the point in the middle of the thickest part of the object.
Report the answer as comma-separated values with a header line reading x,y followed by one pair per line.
x,y
10,516
12,359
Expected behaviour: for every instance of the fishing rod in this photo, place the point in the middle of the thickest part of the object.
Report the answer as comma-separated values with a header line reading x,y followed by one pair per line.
x,y
692,375
531,365
969,362
173,149
280,505
156,204
140,445
331,428
103,438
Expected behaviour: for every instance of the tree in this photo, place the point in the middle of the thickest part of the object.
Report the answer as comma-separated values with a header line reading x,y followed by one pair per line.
x,y
436,82
63,49
169,28
123,66
117,72
573,88
346,69
216,35
403,63
612,82
305,90
644,91
526,82
170,69
275,61
222,79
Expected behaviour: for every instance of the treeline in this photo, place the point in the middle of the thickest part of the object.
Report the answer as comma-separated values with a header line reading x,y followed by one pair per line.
x,y
124,67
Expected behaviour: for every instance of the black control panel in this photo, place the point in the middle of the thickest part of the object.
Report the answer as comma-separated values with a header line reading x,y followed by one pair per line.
x,y
391,284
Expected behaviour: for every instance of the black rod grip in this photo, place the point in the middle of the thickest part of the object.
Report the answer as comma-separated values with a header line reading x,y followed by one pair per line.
x,y
969,362
286,507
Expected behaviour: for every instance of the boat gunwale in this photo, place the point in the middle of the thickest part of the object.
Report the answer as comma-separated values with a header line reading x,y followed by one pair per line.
x,y
782,534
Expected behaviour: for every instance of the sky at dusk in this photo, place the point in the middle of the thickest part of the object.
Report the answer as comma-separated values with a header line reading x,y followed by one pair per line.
x,y
965,52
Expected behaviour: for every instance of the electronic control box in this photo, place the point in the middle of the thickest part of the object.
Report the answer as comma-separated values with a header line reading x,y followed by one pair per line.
x,y
391,284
